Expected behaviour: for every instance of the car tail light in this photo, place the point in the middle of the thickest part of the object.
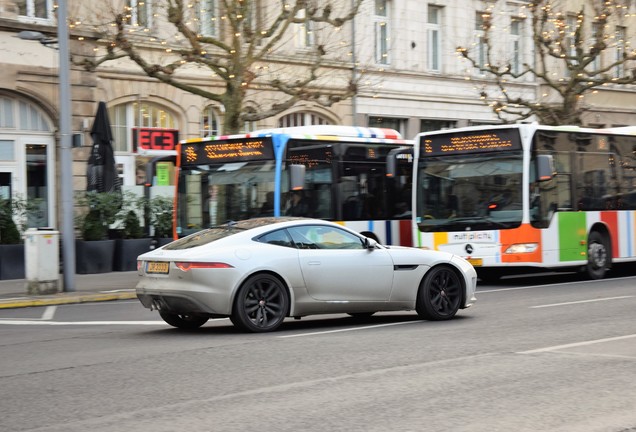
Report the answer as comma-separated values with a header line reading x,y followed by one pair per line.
x,y
187,266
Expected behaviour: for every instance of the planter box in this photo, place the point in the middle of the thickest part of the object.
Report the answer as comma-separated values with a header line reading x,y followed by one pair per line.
x,y
94,256
127,251
12,261
162,242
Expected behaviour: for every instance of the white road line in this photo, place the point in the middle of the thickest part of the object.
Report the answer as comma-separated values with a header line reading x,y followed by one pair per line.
x,y
49,313
79,323
579,302
549,285
577,344
346,330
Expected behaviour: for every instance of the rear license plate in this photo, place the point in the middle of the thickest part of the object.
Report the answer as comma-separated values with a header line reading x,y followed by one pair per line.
x,y
157,267
476,261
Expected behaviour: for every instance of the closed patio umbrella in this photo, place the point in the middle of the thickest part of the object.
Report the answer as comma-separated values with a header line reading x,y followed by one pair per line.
x,y
102,170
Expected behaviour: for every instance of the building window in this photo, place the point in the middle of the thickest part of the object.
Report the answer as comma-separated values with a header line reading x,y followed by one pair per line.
x,y
140,13
209,125
597,35
302,119
35,10
621,34
125,117
398,124
382,29
481,21
570,42
304,32
430,125
516,35
434,24
207,15
30,118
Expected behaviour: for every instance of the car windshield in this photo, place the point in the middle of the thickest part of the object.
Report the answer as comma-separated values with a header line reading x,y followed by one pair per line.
x,y
221,231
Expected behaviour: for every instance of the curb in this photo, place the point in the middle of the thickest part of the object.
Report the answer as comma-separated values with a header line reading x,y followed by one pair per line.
x,y
24,302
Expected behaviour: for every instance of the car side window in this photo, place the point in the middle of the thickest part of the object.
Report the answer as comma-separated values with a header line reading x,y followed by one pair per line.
x,y
324,237
278,238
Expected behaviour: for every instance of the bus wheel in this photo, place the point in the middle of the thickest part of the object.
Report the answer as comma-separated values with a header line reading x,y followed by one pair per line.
x,y
598,255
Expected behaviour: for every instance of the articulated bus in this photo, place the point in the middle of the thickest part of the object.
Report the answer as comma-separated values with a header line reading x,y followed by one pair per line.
x,y
525,197
336,173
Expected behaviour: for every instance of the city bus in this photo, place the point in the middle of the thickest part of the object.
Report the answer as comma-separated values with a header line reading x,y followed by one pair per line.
x,y
336,173
513,198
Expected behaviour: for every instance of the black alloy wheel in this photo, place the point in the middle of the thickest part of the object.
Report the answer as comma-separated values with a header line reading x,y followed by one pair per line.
x,y
261,304
598,255
439,295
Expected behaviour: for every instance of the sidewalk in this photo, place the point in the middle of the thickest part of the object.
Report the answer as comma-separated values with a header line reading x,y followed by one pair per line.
x,y
88,288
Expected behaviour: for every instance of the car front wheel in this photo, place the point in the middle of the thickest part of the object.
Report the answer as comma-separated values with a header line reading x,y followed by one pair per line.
x,y
261,304
183,321
439,295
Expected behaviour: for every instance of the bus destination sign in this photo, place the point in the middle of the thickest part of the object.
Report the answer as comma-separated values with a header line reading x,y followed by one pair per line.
x,y
226,151
470,142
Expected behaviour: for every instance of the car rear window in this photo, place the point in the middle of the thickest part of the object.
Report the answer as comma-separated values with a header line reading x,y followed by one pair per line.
x,y
218,232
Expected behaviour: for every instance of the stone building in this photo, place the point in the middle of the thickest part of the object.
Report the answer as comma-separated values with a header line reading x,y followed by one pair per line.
x,y
401,52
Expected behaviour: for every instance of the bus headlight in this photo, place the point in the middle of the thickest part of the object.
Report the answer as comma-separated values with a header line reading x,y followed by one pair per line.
x,y
522,248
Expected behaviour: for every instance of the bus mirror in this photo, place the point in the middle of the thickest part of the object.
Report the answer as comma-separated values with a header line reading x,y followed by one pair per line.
x,y
391,166
545,167
297,177
392,158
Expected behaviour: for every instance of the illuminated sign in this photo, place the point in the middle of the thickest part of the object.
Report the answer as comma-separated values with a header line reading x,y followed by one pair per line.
x,y
154,139
310,157
224,151
470,142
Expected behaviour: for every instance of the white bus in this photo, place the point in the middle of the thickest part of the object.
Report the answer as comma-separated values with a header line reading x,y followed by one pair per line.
x,y
520,197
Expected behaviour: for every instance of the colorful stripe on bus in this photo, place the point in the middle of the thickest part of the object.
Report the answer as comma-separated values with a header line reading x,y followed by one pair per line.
x,y
563,243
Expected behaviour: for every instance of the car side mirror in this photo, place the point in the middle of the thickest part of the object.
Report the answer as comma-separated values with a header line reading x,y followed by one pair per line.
x,y
369,243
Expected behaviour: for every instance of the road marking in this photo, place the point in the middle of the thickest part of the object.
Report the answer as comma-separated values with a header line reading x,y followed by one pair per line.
x,y
49,313
579,302
346,330
550,285
577,344
78,323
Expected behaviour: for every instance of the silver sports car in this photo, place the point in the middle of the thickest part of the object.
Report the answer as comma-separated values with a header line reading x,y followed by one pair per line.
x,y
259,271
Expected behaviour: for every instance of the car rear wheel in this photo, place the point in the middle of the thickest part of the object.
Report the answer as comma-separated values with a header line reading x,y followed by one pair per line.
x,y
261,304
439,295
183,321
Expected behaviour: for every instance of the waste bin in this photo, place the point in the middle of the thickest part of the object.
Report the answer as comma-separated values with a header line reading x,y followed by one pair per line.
x,y
42,262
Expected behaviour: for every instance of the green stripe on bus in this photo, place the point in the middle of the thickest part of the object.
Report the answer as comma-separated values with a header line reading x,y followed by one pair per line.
x,y
572,235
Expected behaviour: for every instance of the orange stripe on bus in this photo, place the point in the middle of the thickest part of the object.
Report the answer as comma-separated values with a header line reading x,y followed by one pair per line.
x,y
524,234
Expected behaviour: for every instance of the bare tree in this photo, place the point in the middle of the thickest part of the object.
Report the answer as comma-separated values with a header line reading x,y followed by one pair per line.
x,y
574,55
245,54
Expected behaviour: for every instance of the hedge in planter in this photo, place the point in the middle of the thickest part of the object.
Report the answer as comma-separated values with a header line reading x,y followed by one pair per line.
x,y
133,244
11,247
95,252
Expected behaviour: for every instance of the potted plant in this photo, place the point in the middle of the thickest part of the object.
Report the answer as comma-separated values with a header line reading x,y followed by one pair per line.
x,y
12,263
161,208
11,246
95,251
132,242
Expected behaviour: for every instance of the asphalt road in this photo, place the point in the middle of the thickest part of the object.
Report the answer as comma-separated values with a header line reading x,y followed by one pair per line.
x,y
534,354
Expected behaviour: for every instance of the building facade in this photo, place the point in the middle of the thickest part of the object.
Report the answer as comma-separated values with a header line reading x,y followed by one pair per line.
x,y
402,54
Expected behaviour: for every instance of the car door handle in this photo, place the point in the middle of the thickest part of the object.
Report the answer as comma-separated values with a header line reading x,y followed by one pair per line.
x,y
313,263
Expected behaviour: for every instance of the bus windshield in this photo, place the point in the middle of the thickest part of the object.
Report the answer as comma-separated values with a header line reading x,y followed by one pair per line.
x,y
210,195
470,192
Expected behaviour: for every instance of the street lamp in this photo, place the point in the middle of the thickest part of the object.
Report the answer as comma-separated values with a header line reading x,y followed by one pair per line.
x,y
66,143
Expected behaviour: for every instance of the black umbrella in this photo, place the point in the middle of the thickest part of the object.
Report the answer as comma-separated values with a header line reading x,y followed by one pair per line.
x,y
102,171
